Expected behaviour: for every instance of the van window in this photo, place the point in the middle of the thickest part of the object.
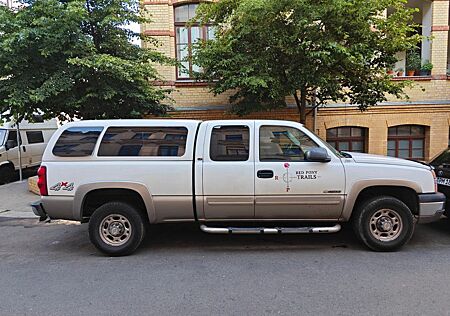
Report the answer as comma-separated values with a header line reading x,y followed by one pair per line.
x,y
229,143
12,136
77,142
144,141
282,143
35,137
2,136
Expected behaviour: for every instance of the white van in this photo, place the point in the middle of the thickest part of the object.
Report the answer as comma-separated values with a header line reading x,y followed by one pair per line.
x,y
33,140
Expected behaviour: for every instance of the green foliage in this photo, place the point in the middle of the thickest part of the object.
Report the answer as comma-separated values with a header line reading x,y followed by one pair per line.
x,y
413,60
427,66
337,49
75,59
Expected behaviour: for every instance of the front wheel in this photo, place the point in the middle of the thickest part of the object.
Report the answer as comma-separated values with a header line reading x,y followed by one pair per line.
x,y
383,223
116,228
6,173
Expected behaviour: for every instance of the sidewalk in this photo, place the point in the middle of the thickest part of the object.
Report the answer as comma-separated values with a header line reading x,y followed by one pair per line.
x,y
15,200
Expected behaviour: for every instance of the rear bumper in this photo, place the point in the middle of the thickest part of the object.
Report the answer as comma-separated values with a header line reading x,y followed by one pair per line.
x,y
55,207
38,210
431,207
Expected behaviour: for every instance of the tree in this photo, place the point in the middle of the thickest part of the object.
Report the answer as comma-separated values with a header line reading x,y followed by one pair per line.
x,y
75,58
333,50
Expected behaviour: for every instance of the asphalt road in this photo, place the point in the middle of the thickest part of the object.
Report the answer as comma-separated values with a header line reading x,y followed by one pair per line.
x,y
52,269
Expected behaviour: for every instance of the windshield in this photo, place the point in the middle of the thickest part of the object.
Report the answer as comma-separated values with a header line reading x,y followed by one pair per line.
x,y
2,136
443,158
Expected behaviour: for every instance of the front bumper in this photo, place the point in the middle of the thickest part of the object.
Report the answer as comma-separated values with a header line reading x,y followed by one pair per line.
x,y
431,207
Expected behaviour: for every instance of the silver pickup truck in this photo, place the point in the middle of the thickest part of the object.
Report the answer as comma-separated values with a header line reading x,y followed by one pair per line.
x,y
121,175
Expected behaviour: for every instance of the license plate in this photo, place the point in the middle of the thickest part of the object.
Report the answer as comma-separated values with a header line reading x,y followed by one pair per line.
x,y
443,181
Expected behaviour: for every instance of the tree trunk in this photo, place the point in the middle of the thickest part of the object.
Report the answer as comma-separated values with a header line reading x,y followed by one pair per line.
x,y
301,104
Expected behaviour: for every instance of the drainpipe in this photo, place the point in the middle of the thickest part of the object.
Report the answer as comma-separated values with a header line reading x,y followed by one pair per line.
x,y
314,101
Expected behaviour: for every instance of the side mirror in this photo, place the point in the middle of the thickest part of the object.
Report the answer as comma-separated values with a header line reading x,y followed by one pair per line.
x,y
317,155
10,144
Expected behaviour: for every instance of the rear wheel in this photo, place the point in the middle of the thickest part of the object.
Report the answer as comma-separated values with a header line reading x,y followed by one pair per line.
x,y
383,223
116,228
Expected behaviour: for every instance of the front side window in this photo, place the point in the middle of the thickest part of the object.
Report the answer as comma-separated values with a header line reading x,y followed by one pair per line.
x,y
407,141
282,143
11,141
144,141
347,138
230,143
186,35
77,141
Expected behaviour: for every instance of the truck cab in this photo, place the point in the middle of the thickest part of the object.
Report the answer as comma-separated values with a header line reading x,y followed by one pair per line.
x,y
226,176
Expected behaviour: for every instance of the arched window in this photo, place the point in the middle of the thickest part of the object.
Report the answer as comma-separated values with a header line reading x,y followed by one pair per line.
x,y
187,35
406,141
347,138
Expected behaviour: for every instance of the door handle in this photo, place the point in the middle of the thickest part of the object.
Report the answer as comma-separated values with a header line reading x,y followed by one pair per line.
x,y
264,174
24,149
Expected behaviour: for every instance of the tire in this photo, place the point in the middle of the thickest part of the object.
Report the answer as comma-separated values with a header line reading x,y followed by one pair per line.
x,y
116,228
447,209
6,173
383,223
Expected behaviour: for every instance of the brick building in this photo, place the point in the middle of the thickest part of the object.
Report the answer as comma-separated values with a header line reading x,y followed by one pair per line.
x,y
417,128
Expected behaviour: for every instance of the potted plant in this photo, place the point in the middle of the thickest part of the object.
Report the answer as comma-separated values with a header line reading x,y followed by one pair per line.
x,y
400,72
426,68
390,69
413,62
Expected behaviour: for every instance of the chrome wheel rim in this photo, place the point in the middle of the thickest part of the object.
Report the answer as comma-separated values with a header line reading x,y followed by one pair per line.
x,y
385,225
115,230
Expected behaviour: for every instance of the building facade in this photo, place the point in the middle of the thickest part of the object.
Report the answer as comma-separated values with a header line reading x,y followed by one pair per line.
x,y
417,128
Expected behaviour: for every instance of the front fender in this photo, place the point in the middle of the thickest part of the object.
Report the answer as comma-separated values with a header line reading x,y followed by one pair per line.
x,y
139,188
6,162
359,186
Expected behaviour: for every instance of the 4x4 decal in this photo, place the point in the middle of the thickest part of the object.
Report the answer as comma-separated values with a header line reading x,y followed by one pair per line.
x,y
66,186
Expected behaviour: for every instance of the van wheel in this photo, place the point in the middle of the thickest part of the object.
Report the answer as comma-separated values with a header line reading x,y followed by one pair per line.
x,y
6,173
383,223
116,228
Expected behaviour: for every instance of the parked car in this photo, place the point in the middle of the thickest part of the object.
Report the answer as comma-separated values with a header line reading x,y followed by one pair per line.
x,y
119,175
33,138
441,166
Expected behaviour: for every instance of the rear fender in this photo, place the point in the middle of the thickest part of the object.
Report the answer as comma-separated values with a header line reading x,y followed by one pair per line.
x,y
139,188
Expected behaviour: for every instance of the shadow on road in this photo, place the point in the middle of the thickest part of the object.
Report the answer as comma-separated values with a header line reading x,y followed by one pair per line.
x,y
59,237
172,236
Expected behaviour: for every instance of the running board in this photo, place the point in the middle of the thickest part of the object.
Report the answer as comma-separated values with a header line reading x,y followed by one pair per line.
x,y
276,230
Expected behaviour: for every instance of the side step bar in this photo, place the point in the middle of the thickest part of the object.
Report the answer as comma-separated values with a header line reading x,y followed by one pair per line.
x,y
276,230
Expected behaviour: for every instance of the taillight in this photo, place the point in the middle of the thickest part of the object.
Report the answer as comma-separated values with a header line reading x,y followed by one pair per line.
x,y
42,180
435,180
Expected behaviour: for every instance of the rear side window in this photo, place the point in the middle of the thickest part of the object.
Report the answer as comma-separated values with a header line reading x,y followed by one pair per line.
x,y
144,141
229,143
35,137
77,142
